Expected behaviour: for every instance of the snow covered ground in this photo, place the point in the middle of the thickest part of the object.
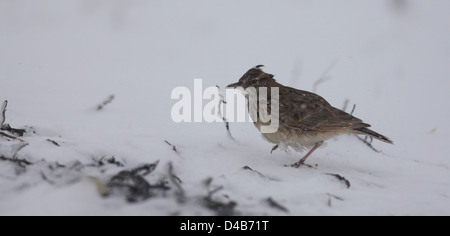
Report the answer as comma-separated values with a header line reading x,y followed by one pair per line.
x,y
60,59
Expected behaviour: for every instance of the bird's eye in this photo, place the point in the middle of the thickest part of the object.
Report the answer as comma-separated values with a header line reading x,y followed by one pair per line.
x,y
253,81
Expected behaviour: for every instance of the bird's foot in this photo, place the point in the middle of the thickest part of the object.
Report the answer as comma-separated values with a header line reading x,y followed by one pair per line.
x,y
301,163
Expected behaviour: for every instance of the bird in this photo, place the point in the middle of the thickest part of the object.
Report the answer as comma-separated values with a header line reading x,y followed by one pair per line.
x,y
305,120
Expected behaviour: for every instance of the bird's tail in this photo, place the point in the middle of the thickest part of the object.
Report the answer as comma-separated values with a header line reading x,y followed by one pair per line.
x,y
373,134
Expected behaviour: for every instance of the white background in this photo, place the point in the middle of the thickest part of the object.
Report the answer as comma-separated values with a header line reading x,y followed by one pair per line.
x,y
59,59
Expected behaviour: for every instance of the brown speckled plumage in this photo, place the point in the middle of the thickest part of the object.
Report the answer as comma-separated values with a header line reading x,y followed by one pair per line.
x,y
305,119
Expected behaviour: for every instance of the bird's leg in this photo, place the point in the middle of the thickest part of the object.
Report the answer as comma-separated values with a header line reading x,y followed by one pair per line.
x,y
302,161
274,148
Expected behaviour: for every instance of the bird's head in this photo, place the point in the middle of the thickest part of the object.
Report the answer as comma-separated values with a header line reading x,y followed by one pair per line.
x,y
254,77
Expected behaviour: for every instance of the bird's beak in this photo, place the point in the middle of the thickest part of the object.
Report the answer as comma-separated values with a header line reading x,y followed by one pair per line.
x,y
235,85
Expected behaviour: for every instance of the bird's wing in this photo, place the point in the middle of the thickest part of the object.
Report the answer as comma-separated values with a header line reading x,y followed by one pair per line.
x,y
310,112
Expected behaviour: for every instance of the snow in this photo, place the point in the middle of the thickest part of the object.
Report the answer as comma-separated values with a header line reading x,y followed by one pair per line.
x,y
60,59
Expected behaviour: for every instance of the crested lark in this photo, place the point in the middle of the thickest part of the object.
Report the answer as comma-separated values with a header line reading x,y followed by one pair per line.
x,y
305,119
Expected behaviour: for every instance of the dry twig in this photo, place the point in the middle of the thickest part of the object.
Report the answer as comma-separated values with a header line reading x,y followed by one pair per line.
x,y
133,185
344,107
341,179
324,77
219,113
3,112
367,140
353,109
274,204
20,162
174,148
331,197
106,102
221,208
53,142
180,193
19,148
10,136
7,127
